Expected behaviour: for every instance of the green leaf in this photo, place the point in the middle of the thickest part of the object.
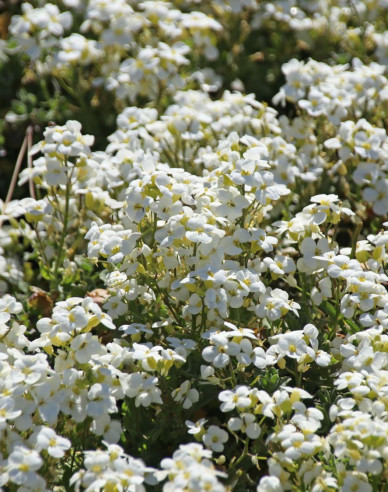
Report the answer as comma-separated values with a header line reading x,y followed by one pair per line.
x,y
352,325
329,309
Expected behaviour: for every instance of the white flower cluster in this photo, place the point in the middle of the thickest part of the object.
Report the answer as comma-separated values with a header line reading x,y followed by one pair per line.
x,y
138,48
39,28
190,468
208,262
336,94
218,270
112,469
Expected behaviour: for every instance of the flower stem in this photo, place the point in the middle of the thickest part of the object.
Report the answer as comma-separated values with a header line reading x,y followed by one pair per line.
x,y
64,230
233,376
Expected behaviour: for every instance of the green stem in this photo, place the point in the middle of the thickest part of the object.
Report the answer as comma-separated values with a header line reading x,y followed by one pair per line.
x,y
167,301
193,324
244,453
234,473
41,247
298,376
354,240
232,375
65,224
334,328
203,317
154,227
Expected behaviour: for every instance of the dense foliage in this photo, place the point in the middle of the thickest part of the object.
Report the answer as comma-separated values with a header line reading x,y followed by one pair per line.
x,y
193,283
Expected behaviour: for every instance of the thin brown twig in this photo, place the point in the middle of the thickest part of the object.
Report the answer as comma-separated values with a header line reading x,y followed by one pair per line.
x,y
16,170
29,161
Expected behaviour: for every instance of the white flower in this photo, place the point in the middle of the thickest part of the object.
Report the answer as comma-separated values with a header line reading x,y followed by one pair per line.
x,y
56,446
218,353
316,104
217,299
274,304
111,430
261,359
56,173
66,140
238,398
297,445
185,395
22,465
215,438
137,204
197,427
293,345
143,388
85,346
269,484
267,189
100,400
324,482
310,251
7,411
355,481
245,423
238,332
78,49
8,304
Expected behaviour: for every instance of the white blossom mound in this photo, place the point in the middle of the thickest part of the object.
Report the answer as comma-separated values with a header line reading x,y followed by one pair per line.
x,y
201,304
